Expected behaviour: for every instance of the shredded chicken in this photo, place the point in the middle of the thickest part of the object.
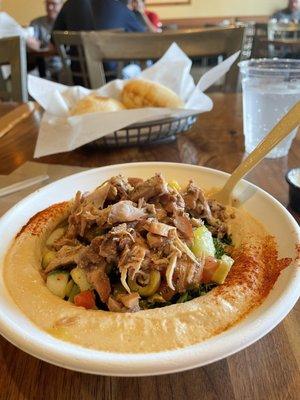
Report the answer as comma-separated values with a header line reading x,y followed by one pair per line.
x,y
172,202
114,305
122,188
155,241
98,196
196,203
154,186
125,211
135,181
184,225
130,301
170,270
100,281
67,255
127,230
158,228
131,262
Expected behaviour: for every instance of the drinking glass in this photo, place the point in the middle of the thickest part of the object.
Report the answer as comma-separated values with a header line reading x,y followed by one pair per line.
x,y
270,88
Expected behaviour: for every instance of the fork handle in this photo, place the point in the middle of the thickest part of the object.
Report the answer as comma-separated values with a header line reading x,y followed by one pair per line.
x,y
288,123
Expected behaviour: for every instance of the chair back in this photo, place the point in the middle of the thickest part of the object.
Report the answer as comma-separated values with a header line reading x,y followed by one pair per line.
x,y
260,45
283,30
71,50
104,46
70,47
13,55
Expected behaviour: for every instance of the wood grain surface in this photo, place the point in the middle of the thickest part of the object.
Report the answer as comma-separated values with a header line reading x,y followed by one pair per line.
x,y
269,369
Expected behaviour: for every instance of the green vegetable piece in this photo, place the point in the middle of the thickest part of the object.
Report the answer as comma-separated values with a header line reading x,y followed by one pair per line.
x,y
183,298
57,283
220,249
79,277
55,235
47,258
205,288
69,287
74,292
203,243
175,186
148,290
223,269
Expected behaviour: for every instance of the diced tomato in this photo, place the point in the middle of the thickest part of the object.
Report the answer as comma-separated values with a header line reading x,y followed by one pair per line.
x,y
85,299
210,266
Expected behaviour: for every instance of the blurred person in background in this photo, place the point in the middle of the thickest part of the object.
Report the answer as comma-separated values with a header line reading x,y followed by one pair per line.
x,y
42,38
289,14
88,15
43,25
148,19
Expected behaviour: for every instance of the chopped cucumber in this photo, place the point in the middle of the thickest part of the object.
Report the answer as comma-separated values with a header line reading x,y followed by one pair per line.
x,y
57,283
74,292
203,243
55,235
225,264
69,287
47,258
79,277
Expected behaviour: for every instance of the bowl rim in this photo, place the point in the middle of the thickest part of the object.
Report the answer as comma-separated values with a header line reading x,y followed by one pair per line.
x,y
74,357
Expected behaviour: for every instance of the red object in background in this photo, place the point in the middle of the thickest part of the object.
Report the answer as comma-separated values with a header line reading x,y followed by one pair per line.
x,y
154,19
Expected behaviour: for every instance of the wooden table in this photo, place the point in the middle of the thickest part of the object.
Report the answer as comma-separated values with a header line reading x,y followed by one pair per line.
x,y
267,370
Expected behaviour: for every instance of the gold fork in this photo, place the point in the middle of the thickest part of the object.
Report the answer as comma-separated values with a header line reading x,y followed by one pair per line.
x,y
289,122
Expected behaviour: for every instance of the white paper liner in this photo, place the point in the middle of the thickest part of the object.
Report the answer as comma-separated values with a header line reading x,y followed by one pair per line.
x,y
60,133
8,28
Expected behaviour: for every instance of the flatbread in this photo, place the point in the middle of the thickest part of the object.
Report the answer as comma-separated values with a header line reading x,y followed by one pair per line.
x,y
254,273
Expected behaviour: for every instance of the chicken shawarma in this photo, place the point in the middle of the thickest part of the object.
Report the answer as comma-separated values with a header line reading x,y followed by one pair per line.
x,y
132,245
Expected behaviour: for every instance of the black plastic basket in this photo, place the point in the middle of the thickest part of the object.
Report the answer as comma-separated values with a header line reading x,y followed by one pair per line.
x,y
146,133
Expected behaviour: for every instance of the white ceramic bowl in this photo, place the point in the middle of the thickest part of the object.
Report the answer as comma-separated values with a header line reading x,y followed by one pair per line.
x,y
16,328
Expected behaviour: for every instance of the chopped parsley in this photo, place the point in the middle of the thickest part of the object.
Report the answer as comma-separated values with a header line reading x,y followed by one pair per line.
x,y
220,248
194,293
220,245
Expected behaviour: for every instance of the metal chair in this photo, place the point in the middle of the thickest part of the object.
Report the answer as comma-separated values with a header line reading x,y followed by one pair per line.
x,y
105,46
13,54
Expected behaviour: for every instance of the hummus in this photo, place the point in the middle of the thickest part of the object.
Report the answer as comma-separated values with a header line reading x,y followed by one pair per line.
x,y
252,276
